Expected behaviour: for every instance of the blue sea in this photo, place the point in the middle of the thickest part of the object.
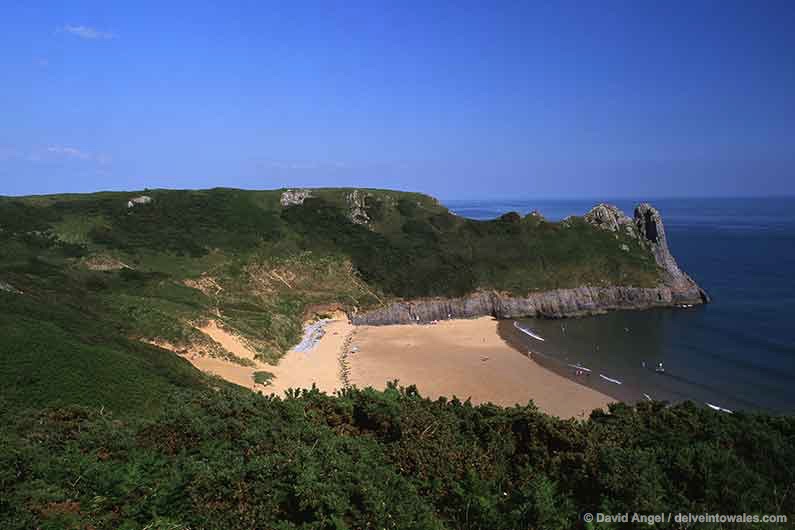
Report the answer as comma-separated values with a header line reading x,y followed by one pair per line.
x,y
736,353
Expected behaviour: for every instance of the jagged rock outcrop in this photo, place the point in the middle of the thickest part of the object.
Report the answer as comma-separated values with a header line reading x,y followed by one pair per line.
x,y
135,201
676,287
650,226
609,217
293,197
557,303
357,207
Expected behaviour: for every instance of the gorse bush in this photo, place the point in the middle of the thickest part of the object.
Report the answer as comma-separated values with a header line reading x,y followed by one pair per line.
x,y
392,459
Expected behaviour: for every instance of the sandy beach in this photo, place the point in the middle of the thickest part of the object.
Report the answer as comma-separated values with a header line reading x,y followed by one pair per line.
x,y
320,365
462,358
468,359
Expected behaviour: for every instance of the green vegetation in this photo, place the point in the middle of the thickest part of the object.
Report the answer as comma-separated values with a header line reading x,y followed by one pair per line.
x,y
156,270
367,459
100,429
263,378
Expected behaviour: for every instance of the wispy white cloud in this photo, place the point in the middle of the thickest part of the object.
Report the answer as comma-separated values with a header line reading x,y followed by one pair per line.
x,y
51,154
87,32
62,152
68,152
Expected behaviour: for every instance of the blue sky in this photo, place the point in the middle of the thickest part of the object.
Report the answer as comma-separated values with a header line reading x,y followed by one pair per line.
x,y
457,99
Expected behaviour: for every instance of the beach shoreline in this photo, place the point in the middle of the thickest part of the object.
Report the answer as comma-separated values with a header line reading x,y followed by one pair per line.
x,y
468,359
476,359
512,336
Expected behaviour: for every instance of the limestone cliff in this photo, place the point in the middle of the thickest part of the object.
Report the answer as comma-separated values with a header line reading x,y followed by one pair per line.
x,y
293,197
357,207
650,227
676,287
608,217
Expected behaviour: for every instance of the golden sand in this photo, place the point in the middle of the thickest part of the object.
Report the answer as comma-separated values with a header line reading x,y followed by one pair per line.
x,y
463,358
320,366
467,359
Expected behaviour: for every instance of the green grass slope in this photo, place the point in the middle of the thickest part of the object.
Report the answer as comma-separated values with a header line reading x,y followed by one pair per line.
x,y
55,351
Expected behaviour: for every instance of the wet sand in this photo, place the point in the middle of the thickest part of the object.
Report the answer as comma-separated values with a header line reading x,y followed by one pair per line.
x,y
467,359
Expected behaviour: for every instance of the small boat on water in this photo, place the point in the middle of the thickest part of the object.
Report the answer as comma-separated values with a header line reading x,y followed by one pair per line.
x,y
528,332
611,380
719,409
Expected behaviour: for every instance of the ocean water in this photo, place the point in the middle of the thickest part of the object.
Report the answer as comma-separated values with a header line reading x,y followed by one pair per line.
x,y
737,353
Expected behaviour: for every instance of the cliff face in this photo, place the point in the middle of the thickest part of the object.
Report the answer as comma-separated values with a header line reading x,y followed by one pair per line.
x,y
676,287
652,231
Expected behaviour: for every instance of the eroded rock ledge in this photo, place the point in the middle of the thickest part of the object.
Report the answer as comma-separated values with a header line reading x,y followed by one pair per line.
x,y
558,303
676,288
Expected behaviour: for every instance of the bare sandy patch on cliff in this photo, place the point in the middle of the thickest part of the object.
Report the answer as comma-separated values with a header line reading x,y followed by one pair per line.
x,y
231,343
465,358
319,366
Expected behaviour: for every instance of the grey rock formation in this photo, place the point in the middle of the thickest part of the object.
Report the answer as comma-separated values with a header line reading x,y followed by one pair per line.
x,y
293,197
650,226
676,288
557,303
609,217
135,201
357,207
7,287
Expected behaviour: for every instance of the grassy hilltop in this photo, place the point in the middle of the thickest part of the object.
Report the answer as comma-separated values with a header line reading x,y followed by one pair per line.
x,y
98,277
100,429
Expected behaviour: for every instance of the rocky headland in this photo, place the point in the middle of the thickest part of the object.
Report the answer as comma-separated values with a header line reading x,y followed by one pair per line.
x,y
676,287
